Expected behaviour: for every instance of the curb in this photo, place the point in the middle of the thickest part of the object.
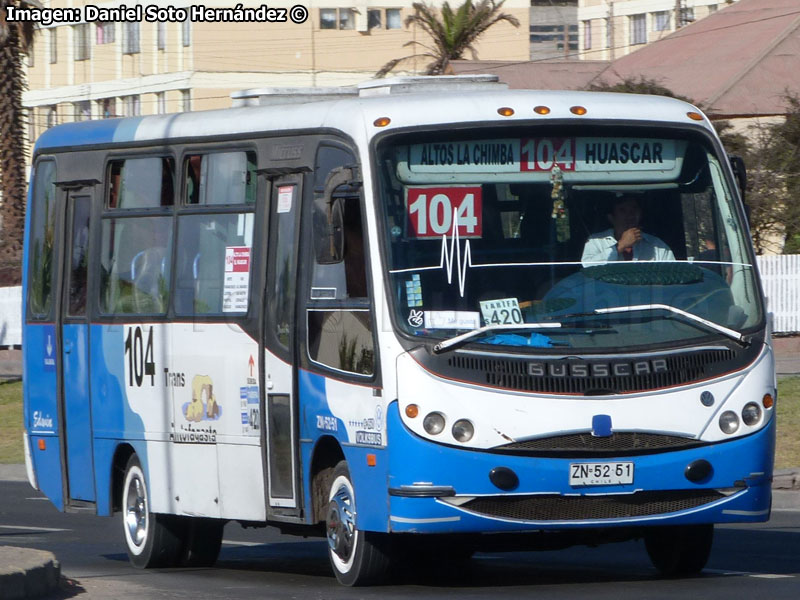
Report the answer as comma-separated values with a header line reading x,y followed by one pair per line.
x,y
27,573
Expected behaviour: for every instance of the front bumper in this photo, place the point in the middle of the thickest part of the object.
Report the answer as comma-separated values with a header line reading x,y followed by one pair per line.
x,y
435,488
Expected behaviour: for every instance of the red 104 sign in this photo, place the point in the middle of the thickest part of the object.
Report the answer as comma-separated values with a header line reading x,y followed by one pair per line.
x,y
433,211
542,154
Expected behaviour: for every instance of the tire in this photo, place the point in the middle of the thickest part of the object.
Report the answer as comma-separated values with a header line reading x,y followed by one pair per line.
x,y
152,540
202,542
680,550
357,557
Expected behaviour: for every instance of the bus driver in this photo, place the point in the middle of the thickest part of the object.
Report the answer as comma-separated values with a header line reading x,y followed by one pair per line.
x,y
625,240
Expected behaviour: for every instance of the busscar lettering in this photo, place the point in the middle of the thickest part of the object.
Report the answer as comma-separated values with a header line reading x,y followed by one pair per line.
x,y
597,369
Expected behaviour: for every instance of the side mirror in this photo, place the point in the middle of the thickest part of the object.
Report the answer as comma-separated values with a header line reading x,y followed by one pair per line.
x,y
329,216
740,172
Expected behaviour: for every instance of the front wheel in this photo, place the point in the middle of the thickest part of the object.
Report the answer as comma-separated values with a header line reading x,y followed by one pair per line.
x,y
679,550
152,540
357,557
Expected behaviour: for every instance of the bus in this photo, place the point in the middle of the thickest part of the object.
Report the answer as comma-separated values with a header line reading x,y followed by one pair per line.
x,y
416,317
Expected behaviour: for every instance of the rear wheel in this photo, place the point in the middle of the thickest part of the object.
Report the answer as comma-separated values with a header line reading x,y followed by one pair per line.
x,y
357,557
679,550
152,540
202,542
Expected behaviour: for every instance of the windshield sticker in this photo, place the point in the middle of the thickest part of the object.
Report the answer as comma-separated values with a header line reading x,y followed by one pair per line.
x,y
416,318
433,211
452,319
504,311
414,291
543,154
237,279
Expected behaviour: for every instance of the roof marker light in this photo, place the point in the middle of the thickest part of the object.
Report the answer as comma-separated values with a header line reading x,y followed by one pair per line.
x,y
695,116
541,110
578,110
382,122
505,111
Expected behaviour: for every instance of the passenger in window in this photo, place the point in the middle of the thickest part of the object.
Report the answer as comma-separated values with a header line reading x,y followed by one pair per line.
x,y
625,240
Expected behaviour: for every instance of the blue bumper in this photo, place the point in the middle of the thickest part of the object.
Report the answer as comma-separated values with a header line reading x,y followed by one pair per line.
x,y
742,472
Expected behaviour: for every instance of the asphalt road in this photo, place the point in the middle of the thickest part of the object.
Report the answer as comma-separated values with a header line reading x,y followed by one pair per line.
x,y
756,561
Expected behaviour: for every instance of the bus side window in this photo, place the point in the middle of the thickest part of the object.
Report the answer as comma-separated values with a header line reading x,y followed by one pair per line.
x,y
40,285
140,183
220,178
339,318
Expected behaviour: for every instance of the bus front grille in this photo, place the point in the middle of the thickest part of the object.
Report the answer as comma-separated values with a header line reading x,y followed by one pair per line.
x,y
586,444
554,507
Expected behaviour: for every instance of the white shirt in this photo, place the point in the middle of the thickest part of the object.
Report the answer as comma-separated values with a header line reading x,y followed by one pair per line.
x,y
602,247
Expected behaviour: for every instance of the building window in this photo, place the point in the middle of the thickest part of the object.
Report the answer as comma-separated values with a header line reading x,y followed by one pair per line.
x,y
83,110
587,35
374,18
107,107
393,20
105,33
161,36
333,18
186,35
133,106
661,20
52,116
186,100
53,46
347,18
327,18
82,41
712,8
161,102
687,16
638,29
130,38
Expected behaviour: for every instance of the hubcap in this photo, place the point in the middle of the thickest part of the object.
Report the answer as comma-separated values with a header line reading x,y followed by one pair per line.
x,y
341,525
136,511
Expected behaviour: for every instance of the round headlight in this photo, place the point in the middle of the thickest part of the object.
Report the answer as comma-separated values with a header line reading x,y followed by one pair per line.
x,y
729,421
463,430
751,413
433,423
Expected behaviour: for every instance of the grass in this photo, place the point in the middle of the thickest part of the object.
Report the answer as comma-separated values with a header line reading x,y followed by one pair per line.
x,y
787,450
11,423
787,453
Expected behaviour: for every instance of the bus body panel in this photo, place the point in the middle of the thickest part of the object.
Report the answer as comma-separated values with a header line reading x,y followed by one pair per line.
x,y
512,416
356,417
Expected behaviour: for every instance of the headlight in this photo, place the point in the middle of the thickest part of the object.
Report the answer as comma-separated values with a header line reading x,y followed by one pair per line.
x,y
751,413
433,423
463,430
729,421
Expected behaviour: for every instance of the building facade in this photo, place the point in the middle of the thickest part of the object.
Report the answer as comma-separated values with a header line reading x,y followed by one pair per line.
x,y
99,69
610,29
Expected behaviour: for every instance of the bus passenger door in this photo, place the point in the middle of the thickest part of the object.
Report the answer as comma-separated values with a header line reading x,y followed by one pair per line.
x,y
279,371
73,325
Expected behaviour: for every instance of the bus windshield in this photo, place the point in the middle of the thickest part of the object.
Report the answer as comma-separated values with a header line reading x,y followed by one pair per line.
x,y
533,235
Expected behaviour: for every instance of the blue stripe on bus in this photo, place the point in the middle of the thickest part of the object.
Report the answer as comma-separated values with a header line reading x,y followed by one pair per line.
x,y
101,131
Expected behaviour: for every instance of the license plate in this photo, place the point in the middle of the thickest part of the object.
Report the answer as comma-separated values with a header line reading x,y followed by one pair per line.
x,y
607,473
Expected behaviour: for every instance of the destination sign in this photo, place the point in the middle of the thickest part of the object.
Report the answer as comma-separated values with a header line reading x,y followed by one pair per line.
x,y
543,154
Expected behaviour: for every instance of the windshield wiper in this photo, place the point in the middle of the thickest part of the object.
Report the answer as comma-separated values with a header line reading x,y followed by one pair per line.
x,y
459,340
735,335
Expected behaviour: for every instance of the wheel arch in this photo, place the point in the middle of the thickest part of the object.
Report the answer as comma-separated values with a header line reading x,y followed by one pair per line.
x,y
326,455
122,454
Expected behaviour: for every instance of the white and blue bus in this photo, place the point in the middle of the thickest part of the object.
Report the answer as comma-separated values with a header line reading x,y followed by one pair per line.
x,y
417,314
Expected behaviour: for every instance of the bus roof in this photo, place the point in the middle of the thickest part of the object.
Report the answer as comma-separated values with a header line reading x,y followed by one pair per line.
x,y
355,114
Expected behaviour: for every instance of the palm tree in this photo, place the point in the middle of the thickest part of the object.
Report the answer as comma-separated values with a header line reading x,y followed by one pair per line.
x,y
452,32
16,39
